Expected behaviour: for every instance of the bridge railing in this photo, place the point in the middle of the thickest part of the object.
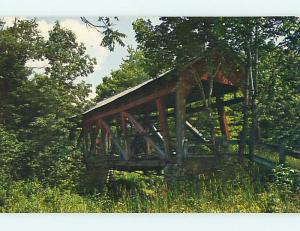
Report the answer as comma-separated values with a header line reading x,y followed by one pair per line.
x,y
280,152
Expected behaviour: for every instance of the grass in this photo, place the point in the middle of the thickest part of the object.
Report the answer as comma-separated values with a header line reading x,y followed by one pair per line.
x,y
241,190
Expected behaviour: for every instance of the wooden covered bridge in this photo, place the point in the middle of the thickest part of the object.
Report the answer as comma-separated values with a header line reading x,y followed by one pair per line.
x,y
146,127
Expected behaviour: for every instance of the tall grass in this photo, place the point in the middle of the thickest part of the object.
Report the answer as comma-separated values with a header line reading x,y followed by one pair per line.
x,y
133,192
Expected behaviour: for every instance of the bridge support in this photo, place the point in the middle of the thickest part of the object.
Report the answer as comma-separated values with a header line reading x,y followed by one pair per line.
x,y
222,118
114,139
143,132
180,121
104,141
93,135
125,133
161,108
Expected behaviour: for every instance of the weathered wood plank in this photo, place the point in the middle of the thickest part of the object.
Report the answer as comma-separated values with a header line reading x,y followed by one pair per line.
x,y
180,121
156,132
93,135
161,108
143,132
282,156
86,143
147,126
195,132
191,110
125,132
132,104
114,139
104,141
222,118
275,148
264,162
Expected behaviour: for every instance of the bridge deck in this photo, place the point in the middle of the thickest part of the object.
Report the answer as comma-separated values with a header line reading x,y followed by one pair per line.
x,y
154,163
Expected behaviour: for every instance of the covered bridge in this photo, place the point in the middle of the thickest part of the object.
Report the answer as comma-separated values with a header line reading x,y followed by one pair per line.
x,y
146,127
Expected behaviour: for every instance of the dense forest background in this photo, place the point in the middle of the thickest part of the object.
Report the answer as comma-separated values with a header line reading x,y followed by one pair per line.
x,y
35,108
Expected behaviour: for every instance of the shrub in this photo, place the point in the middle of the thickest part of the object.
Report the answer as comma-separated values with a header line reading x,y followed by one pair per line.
x,y
10,149
286,178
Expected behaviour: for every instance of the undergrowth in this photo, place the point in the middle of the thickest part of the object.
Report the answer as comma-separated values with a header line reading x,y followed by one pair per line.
x,y
242,190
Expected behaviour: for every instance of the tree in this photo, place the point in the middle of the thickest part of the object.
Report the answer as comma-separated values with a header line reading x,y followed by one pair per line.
x,y
279,105
18,44
131,73
176,41
105,26
38,105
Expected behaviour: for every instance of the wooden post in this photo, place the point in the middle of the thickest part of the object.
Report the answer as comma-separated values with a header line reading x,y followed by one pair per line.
x,y
86,143
109,142
114,139
103,141
125,132
93,136
161,108
147,127
222,118
180,121
282,156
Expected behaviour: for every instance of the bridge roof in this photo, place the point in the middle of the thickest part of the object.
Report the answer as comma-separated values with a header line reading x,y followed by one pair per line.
x,y
165,82
128,91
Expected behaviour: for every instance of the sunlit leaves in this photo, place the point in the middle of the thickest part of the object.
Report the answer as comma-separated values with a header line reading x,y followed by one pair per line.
x,y
131,73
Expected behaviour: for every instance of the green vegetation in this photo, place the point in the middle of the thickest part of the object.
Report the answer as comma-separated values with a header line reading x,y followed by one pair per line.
x,y
41,170
131,73
133,192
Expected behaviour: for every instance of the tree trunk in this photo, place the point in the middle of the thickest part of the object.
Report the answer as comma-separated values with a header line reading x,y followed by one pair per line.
x,y
255,116
210,114
243,135
254,127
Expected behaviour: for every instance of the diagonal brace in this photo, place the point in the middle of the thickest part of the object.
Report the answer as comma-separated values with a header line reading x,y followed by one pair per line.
x,y
142,131
114,139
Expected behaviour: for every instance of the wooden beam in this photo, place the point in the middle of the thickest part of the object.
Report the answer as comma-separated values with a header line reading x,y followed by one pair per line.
x,y
222,118
147,126
191,110
282,156
104,141
265,162
108,143
195,132
114,139
125,133
86,143
143,132
156,132
93,136
161,108
215,105
277,147
130,105
180,121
